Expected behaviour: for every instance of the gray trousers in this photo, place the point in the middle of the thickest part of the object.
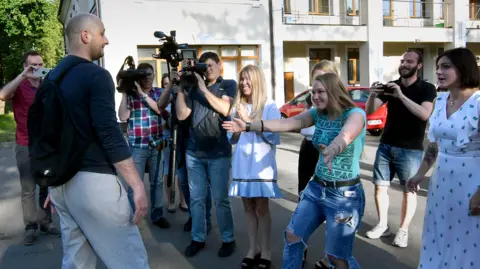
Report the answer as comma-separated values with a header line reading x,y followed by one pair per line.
x,y
95,217
29,208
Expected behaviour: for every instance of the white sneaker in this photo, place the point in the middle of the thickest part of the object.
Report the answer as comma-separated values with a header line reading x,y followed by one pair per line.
x,y
401,239
378,231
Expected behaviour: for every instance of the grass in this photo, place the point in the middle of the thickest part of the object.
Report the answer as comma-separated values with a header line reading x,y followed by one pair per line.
x,y
7,128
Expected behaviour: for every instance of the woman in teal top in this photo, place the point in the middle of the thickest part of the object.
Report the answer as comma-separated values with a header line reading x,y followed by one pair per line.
x,y
334,194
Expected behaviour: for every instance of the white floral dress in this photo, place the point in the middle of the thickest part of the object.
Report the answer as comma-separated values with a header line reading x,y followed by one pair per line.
x,y
451,238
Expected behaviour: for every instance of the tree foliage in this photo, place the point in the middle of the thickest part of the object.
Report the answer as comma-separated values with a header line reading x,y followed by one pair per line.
x,y
28,25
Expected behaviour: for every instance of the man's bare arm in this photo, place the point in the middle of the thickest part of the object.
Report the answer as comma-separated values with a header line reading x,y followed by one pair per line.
x,y
8,91
373,104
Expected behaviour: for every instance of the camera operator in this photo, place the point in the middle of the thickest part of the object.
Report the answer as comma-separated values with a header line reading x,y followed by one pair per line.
x,y
182,139
145,139
209,152
409,100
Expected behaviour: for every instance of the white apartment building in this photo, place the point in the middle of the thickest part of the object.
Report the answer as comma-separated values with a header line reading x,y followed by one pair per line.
x,y
365,38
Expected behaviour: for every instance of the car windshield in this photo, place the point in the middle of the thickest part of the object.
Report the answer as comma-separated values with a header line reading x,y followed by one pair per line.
x,y
359,95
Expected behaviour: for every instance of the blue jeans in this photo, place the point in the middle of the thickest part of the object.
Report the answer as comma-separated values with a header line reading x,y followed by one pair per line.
x,y
201,171
183,178
341,208
391,160
140,157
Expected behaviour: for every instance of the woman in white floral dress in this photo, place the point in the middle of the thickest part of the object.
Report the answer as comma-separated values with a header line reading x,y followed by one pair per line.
x,y
451,232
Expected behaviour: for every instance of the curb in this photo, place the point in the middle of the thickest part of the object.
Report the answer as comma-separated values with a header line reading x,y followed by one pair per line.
x,y
7,144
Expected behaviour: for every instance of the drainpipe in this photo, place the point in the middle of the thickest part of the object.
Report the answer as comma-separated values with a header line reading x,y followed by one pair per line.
x,y
272,46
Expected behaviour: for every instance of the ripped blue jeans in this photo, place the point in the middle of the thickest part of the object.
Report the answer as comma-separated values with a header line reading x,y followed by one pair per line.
x,y
341,208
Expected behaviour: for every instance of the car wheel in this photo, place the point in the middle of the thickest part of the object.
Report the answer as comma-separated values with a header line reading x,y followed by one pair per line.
x,y
283,116
375,132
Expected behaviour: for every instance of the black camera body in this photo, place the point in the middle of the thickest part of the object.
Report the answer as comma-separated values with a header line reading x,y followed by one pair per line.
x,y
174,53
126,78
384,88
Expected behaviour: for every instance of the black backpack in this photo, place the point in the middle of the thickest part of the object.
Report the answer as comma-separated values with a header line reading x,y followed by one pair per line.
x,y
208,130
56,145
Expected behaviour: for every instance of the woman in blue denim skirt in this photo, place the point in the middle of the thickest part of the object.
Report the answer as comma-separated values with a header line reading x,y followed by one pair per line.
x,y
335,193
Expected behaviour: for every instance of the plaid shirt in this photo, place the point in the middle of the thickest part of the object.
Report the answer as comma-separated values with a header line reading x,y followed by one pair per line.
x,y
144,125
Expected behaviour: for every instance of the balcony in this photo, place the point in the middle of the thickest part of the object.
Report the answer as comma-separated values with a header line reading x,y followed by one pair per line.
x,y
429,18
415,13
473,24
321,12
313,20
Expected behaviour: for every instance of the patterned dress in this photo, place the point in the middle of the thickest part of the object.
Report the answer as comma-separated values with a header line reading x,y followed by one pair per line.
x,y
451,238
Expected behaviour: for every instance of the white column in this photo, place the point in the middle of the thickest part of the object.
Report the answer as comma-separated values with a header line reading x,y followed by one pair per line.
x,y
278,50
457,12
371,52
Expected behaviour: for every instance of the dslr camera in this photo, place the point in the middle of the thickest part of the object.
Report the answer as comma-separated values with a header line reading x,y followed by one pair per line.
x,y
174,53
126,78
383,87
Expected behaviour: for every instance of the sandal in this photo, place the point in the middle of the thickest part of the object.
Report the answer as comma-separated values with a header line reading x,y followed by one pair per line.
x,y
249,263
304,257
321,265
264,264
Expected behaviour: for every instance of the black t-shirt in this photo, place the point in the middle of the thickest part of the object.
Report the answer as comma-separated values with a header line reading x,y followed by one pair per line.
x,y
88,91
403,129
197,99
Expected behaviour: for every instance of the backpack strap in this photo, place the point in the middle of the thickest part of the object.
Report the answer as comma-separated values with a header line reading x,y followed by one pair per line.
x,y
63,72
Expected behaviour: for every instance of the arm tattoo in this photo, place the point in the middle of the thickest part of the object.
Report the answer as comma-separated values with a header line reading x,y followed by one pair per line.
x,y
431,154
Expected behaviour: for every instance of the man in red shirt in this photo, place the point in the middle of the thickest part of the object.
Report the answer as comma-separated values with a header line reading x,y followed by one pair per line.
x,y
22,92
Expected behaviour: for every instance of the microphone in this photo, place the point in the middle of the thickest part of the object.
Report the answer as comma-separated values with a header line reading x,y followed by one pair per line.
x,y
159,34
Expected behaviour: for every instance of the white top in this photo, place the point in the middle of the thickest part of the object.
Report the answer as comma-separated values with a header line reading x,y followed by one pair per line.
x,y
254,155
308,132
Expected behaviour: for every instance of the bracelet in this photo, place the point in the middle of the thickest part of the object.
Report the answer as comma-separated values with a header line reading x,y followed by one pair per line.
x,y
256,126
261,121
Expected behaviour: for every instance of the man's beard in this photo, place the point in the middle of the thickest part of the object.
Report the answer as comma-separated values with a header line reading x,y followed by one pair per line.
x,y
410,72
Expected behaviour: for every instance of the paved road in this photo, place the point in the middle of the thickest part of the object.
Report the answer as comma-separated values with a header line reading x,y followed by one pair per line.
x,y
165,247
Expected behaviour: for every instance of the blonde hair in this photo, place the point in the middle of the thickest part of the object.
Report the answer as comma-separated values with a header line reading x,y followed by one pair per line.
x,y
259,93
339,99
326,66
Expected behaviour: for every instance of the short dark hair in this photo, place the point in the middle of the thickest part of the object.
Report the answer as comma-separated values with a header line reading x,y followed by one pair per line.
x,y
144,66
466,63
30,53
419,55
209,55
165,75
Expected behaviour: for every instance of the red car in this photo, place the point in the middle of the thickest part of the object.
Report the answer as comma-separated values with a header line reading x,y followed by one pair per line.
x,y
375,121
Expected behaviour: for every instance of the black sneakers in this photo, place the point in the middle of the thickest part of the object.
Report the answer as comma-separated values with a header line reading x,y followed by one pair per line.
x,y
30,237
227,249
194,248
162,223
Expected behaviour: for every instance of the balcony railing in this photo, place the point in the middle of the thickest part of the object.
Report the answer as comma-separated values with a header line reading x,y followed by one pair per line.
x,y
474,12
325,17
415,13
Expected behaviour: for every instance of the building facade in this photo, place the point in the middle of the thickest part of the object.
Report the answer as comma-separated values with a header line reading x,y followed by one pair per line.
x,y
365,38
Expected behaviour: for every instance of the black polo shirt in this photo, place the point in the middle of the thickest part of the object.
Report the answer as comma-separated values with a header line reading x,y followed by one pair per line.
x,y
403,129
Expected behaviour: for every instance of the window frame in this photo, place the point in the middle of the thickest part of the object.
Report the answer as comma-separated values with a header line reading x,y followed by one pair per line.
x,y
315,10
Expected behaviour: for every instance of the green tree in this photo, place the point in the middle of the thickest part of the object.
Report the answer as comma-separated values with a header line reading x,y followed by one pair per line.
x,y
28,25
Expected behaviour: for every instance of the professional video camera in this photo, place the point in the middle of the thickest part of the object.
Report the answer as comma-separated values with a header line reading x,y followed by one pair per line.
x,y
174,53
126,78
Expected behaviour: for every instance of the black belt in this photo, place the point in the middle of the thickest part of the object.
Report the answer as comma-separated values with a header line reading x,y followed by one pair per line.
x,y
336,184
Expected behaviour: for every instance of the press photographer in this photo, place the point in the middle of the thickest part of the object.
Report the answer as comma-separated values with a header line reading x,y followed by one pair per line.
x,y
145,138
208,152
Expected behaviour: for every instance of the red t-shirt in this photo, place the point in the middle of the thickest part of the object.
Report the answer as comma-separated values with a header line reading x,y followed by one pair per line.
x,y
21,101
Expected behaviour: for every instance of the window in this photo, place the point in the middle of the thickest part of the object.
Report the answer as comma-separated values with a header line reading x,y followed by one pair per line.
x,y
92,6
420,71
417,8
352,7
232,57
474,9
316,55
353,66
360,96
303,98
387,8
319,7
286,7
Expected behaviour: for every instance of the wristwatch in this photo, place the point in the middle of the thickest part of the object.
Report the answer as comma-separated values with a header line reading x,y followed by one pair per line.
x,y
247,127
